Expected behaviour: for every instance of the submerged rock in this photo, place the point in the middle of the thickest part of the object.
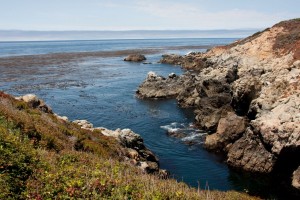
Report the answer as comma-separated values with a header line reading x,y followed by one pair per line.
x,y
135,58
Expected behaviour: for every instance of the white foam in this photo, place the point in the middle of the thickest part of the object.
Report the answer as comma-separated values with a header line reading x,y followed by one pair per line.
x,y
193,137
171,128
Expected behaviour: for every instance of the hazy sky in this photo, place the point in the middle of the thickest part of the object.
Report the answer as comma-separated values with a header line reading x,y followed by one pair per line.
x,y
144,14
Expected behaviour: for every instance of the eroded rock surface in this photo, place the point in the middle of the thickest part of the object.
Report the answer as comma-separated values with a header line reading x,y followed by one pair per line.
x,y
247,96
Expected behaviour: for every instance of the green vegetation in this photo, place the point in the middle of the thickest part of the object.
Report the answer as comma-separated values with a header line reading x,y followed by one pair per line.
x,y
42,157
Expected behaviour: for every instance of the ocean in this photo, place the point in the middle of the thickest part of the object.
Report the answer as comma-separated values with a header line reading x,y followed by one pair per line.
x,y
101,89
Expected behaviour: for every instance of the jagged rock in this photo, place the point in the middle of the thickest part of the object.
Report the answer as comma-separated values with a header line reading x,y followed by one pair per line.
x,y
133,144
30,98
172,59
84,124
172,75
296,178
230,128
34,102
130,139
149,167
135,58
132,153
193,60
156,86
250,154
258,79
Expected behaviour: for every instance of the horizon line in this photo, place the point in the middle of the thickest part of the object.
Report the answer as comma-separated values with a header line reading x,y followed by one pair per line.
x,y
129,30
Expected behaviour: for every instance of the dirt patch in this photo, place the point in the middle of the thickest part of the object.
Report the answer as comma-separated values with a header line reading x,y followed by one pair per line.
x,y
289,40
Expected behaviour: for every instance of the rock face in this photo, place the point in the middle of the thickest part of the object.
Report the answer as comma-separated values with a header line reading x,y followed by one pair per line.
x,y
247,96
135,58
230,128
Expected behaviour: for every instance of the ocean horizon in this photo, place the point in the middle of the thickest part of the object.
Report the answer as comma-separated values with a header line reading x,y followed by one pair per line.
x,y
33,35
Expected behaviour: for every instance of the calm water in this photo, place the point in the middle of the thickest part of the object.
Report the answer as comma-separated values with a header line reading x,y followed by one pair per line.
x,y
102,90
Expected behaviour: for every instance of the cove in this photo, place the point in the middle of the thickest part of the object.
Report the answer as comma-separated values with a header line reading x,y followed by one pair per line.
x,y
102,90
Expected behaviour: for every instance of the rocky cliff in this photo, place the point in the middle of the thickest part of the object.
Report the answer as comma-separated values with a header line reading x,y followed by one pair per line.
x,y
246,95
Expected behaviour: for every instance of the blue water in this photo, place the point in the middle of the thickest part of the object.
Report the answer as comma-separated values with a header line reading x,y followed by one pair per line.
x,y
31,48
102,90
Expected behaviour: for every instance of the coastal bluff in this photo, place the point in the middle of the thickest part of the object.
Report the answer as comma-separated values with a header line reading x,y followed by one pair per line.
x,y
246,95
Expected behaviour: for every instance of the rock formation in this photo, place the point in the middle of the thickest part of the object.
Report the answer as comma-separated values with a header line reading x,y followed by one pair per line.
x,y
135,150
33,101
246,95
135,58
156,86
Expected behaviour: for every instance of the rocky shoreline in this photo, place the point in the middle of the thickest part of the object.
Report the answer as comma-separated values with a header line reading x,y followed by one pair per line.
x,y
134,150
246,95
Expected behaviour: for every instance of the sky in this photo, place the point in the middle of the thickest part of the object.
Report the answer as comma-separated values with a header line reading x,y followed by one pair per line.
x,y
58,15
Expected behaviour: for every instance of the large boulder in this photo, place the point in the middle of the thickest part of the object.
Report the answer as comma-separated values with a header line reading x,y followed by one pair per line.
x,y
135,58
230,128
34,102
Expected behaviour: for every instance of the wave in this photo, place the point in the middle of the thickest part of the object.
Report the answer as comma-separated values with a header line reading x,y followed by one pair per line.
x,y
186,132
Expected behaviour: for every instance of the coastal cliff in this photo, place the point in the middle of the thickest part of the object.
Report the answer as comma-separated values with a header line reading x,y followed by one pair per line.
x,y
246,95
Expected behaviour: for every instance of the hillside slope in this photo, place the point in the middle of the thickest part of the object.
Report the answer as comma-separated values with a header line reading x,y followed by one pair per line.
x,y
43,156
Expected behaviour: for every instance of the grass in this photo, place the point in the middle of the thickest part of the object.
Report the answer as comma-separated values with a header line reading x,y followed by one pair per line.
x,y
42,157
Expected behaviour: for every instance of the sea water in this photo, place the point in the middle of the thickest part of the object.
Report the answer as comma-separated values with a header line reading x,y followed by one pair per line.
x,y
102,90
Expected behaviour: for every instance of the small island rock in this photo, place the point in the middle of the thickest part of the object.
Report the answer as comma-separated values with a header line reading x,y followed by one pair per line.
x,y
135,58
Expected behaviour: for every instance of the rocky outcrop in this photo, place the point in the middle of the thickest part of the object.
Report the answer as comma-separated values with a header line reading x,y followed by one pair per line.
x,y
230,128
250,154
159,87
247,96
34,102
193,60
172,59
135,150
135,58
